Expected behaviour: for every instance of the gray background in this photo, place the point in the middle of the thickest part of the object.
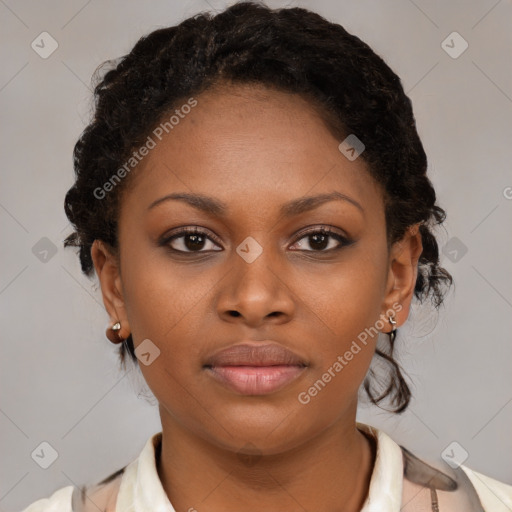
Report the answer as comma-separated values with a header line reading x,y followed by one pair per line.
x,y
59,376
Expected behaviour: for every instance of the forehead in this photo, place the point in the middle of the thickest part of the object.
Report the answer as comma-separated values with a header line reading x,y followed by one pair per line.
x,y
251,142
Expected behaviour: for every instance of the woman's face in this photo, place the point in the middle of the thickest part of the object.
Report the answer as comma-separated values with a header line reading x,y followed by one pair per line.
x,y
259,271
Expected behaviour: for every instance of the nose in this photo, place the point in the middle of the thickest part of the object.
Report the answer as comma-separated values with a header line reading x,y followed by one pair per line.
x,y
256,293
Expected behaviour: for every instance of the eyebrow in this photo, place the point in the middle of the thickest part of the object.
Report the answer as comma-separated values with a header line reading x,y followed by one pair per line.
x,y
215,207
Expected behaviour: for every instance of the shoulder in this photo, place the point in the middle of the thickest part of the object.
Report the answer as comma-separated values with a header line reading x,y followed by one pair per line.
x,y
494,495
451,488
59,501
424,484
99,497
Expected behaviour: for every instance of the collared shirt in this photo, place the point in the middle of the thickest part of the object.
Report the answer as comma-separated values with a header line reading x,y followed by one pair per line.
x,y
400,482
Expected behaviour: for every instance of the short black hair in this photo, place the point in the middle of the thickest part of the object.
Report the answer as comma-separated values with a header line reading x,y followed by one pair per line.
x,y
288,49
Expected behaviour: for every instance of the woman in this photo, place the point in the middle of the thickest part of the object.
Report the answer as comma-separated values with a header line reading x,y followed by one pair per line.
x,y
252,195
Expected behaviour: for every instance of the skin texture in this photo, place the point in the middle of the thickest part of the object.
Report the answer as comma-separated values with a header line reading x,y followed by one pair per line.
x,y
255,149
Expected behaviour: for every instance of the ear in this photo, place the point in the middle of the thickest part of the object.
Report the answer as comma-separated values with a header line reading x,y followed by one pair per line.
x,y
107,268
402,274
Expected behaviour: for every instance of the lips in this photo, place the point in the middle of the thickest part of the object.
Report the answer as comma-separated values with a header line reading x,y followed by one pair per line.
x,y
255,369
262,354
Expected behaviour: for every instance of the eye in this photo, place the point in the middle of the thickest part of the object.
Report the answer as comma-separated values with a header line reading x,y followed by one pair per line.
x,y
193,239
190,240
322,239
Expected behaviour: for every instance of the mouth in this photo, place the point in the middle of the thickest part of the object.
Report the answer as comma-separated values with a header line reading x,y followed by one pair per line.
x,y
260,369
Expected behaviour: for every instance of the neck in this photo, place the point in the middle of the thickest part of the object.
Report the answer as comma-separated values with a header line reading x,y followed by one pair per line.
x,y
332,471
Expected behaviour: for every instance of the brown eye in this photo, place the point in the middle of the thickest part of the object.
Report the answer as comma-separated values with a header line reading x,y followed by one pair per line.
x,y
190,240
321,240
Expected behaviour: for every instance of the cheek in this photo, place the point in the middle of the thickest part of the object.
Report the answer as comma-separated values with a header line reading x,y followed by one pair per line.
x,y
346,311
164,306
347,300
170,306
349,308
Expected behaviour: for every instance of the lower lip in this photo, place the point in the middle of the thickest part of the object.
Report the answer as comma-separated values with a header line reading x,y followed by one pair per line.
x,y
255,380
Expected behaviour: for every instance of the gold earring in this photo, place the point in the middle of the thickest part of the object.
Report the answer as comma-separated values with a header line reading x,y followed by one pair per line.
x,y
392,334
117,328
113,333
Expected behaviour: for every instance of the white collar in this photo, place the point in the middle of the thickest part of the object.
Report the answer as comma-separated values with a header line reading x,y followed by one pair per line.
x,y
141,489
385,492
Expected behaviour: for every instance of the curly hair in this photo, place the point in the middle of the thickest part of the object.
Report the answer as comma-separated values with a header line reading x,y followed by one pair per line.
x,y
288,49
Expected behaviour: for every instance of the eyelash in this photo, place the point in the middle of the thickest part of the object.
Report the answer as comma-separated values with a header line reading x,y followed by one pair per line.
x,y
323,230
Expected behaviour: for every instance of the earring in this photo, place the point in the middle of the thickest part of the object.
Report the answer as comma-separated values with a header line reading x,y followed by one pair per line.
x,y
117,328
113,333
392,334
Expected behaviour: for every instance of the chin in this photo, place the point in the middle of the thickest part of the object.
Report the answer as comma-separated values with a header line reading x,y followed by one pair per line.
x,y
267,432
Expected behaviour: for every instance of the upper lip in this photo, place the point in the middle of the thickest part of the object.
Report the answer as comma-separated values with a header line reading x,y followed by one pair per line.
x,y
251,354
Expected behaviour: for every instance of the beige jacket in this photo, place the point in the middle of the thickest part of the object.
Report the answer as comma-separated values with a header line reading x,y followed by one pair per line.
x,y
400,482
